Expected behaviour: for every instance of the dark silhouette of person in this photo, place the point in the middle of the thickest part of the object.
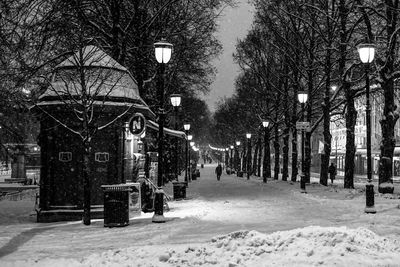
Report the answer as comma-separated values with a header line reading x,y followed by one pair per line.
x,y
218,171
332,172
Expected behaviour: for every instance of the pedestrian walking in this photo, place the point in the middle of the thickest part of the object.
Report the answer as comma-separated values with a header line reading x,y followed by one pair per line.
x,y
332,172
218,171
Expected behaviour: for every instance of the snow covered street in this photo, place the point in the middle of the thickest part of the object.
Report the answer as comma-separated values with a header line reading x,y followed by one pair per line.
x,y
232,222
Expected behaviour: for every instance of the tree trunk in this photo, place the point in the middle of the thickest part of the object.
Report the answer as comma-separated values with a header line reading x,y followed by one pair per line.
x,y
276,138
244,158
307,161
388,123
255,159
276,151
236,159
285,148
351,118
259,156
295,170
249,150
325,157
285,152
351,113
390,116
115,31
267,156
86,184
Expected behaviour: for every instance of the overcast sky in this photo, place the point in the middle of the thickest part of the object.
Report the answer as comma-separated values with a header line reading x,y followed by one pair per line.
x,y
233,25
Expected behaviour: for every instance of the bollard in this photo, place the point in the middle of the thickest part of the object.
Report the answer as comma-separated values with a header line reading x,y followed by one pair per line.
x,y
370,199
158,206
303,184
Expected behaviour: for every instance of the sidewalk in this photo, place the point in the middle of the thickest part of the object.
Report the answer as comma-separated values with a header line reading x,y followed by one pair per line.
x,y
212,208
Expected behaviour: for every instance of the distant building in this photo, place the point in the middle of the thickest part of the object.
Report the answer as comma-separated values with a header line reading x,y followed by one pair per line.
x,y
338,131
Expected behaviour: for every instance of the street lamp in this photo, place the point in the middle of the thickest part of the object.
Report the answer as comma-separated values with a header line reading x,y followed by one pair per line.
x,y
334,87
266,166
190,137
367,53
248,136
190,161
186,127
237,161
163,52
176,102
302,96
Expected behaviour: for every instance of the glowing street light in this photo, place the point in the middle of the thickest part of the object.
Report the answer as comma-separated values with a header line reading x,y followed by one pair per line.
x,y
266,165
248,136
163,52
302,96
367,53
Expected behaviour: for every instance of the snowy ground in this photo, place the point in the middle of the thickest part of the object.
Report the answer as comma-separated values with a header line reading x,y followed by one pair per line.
x,y
233,222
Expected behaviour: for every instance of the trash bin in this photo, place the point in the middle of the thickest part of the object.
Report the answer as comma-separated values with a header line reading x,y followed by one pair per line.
x,y
202,165
197,173
179,190
240,174
116,205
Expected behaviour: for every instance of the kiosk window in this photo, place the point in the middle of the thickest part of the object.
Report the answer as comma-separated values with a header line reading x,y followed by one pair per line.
x,y
101,156
64,156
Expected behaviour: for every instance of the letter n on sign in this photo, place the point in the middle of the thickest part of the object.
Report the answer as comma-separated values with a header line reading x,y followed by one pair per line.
x,y
137,124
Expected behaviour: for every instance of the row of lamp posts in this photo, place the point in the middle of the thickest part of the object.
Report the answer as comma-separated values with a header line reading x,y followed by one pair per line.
x,y
163,52
367,54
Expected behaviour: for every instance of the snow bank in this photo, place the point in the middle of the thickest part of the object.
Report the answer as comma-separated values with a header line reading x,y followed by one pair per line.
x,y
12,212
310,246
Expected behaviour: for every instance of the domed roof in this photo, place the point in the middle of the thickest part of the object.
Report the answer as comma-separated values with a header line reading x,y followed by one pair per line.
x,y
92,56
106,82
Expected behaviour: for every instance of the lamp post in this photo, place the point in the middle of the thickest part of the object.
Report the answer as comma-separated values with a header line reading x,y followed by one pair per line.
x,y
248,136
163,52
367,53
266,167
190,160
302,96
237,161
176,102
190,137
186,127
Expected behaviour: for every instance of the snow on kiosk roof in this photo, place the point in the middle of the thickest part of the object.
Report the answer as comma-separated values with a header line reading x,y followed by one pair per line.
x,y
107,81
92,57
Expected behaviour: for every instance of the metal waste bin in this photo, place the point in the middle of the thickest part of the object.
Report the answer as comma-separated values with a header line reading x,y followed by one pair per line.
x,y
116,205
179,190
194,175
